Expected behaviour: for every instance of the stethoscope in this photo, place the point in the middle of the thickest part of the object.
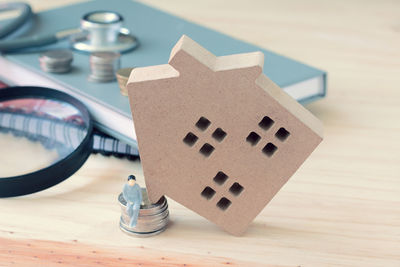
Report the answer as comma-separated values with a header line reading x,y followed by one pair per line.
x,y
100,31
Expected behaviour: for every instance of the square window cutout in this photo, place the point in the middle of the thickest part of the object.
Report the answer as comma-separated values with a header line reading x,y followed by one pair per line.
x,y
220,178
282,134
266,123
236,189
203,123
224,203
190,139
269,149
253,138
208,193
206,149
219,134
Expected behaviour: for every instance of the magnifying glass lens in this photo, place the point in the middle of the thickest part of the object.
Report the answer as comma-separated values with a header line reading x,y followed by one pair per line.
x,y
45,136
37,133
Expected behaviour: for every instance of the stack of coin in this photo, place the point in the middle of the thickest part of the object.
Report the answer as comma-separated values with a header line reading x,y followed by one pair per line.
x,y
122,78
103,66
57,61
152,219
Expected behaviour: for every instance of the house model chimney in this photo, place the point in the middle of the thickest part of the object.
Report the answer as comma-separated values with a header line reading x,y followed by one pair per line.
x,y
216,135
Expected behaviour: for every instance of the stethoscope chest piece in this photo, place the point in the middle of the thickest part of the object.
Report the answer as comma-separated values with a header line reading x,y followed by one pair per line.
x,y
103,32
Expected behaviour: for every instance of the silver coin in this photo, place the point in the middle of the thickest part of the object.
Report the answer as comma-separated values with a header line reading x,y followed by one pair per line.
x,y
149,214
103,66
146,208
149,219
146,225
144,228
104,56
149,222
55,65
138,234
153,217
58,70
61,55
57,61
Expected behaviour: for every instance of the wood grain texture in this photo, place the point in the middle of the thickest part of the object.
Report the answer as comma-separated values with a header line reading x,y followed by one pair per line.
x,y
46,253
342,208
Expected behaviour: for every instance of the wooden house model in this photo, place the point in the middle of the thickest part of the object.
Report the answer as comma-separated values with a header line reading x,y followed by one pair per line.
x,y
216,135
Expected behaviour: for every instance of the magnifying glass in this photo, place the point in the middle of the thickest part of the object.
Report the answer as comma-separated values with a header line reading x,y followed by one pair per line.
x,y
45,137
100,31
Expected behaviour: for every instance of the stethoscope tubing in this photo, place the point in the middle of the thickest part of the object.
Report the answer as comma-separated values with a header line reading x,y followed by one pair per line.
x,y
13,25
27,42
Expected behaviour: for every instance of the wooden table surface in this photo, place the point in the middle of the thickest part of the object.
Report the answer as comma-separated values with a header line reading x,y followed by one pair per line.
x,y
342,208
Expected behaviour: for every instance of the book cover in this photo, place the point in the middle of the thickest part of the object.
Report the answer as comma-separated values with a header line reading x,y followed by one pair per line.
x,y
157,32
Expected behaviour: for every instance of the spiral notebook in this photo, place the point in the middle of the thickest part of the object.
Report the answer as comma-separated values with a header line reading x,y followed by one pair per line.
x,y
58,134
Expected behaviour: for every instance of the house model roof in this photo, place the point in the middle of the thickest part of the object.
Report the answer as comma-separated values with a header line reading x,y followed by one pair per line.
x,y
216,135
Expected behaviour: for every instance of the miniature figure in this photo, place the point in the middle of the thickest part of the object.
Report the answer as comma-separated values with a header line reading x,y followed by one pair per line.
x,y
132,194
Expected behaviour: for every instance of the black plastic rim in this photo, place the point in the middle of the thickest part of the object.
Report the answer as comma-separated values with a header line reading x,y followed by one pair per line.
x,y
62,169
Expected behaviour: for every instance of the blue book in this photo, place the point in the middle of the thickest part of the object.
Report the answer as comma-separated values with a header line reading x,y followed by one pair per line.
x,y
157,33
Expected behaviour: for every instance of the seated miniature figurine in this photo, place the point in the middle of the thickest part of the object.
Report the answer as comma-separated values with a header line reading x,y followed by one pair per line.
x,y
132,194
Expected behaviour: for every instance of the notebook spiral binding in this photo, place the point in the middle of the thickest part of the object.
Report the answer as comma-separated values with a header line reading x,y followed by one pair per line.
x,y
107,145
58,134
